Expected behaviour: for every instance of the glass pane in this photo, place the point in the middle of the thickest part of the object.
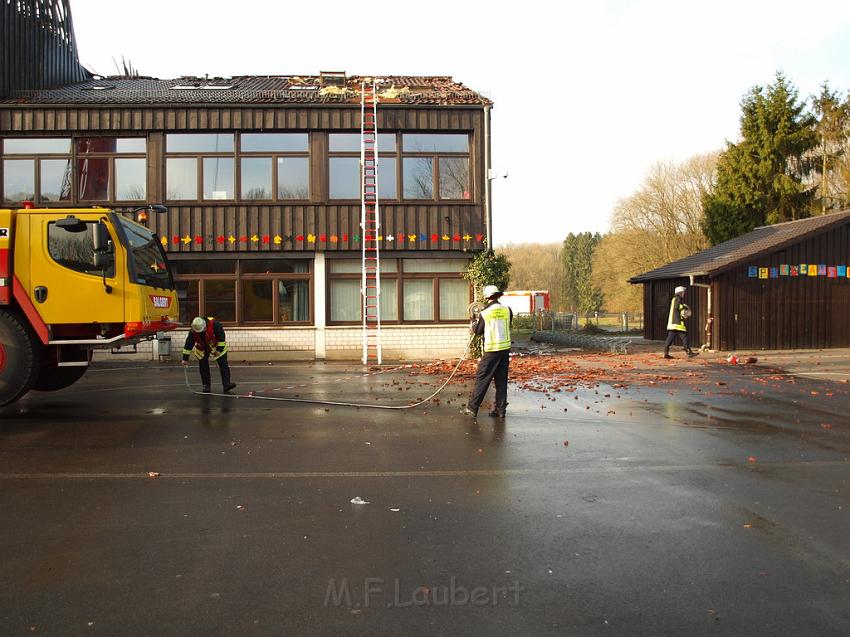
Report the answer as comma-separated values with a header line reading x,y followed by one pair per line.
x,y
419,300
19,179
387,187
454,299
354,266
92,178
256,178
75,250
274,142
187,296
220,300
36,146
345,300
344,177
454,178
130,179
271,266
389,300
55,179
350,142
293,178
294,301
218,178
130,145
257,301
199,143
435,265
425,143
418,177
86,145
181,178
203,267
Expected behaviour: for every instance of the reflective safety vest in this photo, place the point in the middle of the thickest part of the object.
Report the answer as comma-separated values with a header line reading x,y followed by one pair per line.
x,y
497,328
206,341
675,321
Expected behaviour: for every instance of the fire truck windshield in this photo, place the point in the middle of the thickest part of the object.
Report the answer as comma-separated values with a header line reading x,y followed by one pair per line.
x,y
147,263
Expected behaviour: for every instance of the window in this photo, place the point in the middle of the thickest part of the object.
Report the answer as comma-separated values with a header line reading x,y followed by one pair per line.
x,y
75,250
37,166
245,291
344,166
435,166
419,300
412,290
86,169
275,164
110,169
271,167
208,155
218,178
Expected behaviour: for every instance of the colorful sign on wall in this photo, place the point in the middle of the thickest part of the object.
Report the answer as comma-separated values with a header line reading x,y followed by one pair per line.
x,y
804,269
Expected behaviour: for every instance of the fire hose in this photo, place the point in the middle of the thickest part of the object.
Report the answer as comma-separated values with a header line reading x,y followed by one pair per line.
x,y
474,311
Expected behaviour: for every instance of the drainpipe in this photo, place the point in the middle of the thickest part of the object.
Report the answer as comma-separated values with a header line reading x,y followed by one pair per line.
x,y
709,321
488,182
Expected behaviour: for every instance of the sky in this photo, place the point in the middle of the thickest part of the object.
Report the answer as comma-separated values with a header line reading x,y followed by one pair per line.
x,y
588,95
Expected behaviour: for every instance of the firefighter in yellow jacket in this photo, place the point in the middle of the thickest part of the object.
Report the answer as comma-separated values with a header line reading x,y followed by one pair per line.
x,y
494,324
679,312
206,340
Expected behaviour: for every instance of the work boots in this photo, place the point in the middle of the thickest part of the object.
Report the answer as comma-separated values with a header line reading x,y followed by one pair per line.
x,y
498,411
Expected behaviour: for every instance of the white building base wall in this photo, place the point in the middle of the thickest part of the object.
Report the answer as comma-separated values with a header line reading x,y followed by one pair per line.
x,y
399,342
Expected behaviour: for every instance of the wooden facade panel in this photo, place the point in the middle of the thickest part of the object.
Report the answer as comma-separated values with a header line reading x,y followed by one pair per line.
x,y
74,118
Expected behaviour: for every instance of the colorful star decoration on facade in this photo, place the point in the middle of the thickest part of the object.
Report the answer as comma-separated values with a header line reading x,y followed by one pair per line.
x,y
319,239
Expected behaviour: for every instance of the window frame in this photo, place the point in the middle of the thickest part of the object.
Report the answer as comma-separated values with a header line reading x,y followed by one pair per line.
x,y
400,276
435,156
273,157
237,154
388,154
74,157
238,277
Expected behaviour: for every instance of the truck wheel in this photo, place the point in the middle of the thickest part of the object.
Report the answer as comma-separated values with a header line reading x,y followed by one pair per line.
x,y
20,357
56,378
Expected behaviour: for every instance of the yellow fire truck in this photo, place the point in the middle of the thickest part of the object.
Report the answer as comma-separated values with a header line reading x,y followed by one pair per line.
x,y
72,280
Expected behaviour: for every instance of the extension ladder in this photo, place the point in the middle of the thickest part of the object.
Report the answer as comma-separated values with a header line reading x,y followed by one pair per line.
x,y
370,223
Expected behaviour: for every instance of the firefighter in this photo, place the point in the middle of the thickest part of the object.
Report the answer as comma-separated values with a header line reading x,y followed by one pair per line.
x,y
206,340
676,323
494,323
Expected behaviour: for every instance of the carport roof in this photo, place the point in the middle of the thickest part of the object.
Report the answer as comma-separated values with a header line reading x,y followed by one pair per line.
x,y
728,254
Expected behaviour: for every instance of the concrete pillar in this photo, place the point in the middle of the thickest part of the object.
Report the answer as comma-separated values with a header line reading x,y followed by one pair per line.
x,y
319,296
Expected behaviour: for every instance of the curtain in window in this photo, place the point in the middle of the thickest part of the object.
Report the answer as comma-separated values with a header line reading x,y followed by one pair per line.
x,y
454,299
345,300
419,300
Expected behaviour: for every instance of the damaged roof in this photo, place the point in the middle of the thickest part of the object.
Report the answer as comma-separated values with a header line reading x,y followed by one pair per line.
x,y
762,240
254,89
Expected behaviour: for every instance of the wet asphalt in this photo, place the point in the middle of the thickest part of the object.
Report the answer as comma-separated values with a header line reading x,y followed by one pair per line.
x,y
717,506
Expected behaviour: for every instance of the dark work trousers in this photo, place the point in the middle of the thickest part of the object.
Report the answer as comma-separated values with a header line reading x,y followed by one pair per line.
x,y
671,336
492,366
224,368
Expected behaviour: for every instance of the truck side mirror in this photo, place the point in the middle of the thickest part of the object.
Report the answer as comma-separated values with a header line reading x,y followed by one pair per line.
x,y
100,237
101,260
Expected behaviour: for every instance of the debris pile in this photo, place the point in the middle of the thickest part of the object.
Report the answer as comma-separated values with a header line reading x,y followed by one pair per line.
x,y
562,373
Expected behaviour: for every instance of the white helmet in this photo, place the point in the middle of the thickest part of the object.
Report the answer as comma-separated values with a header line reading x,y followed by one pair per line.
x,y
199,324
490,291
679,290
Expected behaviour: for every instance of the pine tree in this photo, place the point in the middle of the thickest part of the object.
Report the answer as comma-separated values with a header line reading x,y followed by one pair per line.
x,y
762,179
